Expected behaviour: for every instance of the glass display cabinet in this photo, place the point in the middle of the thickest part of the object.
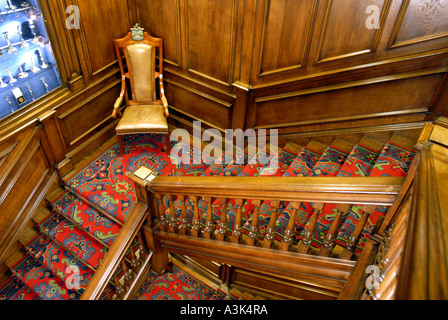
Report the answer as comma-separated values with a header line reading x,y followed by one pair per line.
x,y
27,65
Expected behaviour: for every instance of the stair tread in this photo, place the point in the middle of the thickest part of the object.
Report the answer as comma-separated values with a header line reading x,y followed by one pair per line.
x,y
73,239
59,261
87,218
14,289
42,281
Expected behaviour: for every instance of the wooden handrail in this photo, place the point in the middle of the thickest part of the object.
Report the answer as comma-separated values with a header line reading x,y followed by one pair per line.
x,y
116,252
359,190
424,271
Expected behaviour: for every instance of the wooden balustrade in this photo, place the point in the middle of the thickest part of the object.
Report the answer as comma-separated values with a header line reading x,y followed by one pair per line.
x,y
201,192
125,264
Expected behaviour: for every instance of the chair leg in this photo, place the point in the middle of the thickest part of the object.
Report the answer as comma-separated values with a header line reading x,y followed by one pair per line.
x,y
168,144
120,144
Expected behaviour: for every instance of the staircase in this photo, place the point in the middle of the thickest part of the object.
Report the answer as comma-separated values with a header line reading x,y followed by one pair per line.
x,y
74,237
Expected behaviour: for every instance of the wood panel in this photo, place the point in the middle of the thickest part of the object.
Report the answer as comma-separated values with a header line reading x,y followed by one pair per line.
x,y
375,98
420,21
80,120
286,36
165,24
210,35
345,33
23,176
101,23
198,105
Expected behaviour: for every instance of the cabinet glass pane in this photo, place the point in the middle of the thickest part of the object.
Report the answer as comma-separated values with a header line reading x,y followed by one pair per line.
x,y
27,65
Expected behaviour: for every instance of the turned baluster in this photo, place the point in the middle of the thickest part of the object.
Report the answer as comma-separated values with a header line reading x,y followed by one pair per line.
x,y
222,225
128,276
142,247
237,227
195,230
120,290
184,224
270,233
163,224
348,252
173,226
309,233
289,232
253,234
208,232
135,263
341,209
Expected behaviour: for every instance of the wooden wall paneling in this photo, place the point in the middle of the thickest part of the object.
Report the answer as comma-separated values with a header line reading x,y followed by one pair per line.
x,y
420,21
284,29
30,168
101,23
79,121
263,50
398,95
245,40
198,105
345,22
162,18
63,43
210,39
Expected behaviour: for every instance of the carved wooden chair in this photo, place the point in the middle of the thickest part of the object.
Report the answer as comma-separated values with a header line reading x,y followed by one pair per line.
x,y
146,105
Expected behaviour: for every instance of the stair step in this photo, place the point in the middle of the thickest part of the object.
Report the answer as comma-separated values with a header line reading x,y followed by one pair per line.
x,y
60,262
343,145
86,218
41,215
293,147
55,194
42,281
73,239
14,289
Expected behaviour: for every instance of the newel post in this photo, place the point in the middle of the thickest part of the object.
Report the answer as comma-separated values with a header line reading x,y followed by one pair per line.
x,y
142,179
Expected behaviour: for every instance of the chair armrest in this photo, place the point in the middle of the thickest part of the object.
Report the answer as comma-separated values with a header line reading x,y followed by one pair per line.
x,y
163,97
116,108
119,101
165,105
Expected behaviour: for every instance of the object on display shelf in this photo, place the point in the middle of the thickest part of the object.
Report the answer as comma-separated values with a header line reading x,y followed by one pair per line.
x,y
27,85
45,84
20,98
11,77
2,83
44,65
11,48
11,7
34,69
6,97
35,38
23,44
22,73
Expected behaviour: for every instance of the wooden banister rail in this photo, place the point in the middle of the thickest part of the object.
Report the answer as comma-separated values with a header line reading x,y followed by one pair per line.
x,y
367,191
117,252
423,274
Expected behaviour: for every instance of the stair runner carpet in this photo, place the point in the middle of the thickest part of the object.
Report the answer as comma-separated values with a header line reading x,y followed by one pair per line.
x,y
181,284
394,161
88,216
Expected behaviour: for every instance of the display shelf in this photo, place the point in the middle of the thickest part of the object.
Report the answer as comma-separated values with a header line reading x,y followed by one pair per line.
x,y
27,65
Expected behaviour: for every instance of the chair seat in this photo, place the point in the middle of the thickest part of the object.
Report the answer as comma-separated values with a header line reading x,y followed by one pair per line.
x,y
143,119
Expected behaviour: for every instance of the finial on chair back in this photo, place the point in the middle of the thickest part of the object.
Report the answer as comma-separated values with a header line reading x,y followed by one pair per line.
x,y
137,32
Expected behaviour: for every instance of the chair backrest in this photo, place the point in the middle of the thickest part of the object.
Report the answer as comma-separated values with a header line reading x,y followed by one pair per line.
x,y
140,51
